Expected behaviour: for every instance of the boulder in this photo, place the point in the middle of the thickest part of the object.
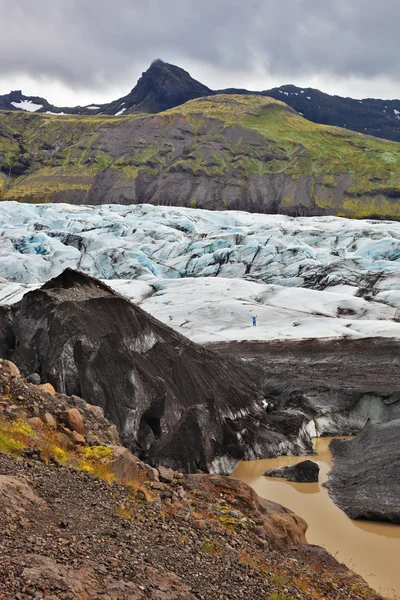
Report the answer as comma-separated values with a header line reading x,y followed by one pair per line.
x,y
36,422
12,368
16,495
278,525
34,378
152,473
304,472
73,420
47,387
123,465
365,478
49,420
166,475
78,438
97,411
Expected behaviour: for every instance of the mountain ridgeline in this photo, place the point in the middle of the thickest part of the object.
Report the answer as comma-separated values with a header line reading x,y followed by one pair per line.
x,y
164,86
218,152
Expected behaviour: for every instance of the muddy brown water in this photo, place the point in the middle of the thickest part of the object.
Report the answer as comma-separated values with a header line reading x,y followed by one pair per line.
x,y
371,549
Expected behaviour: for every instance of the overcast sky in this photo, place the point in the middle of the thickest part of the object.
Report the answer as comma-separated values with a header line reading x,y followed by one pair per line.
x,y
79,51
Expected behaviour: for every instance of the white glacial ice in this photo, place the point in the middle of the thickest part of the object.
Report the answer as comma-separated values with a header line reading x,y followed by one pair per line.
x,y
207,273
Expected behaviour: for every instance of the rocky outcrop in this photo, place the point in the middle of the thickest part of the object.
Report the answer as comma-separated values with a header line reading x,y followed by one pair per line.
x,y
304,472
174,402
16,495
365,478
42,572
275,523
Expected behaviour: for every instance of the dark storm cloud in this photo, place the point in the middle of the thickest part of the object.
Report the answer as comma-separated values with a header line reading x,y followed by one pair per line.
x,y
92,43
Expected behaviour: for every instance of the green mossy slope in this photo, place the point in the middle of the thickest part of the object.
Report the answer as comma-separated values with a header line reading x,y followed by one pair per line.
x,y
242,152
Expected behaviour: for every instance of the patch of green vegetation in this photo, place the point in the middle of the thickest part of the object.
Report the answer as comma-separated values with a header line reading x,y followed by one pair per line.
x,y
129,172
241,137
212,548
103,160
96,452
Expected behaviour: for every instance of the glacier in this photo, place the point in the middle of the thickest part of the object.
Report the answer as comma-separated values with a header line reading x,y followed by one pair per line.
x,y
206,273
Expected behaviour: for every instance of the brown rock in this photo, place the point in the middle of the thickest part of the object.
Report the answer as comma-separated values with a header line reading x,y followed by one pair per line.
x,y
64,440
113,433
72,418
157,485
13,369
280,526
46,387
97,411
124,465
16,494
36,423
92,439
166,475
40,572
77,438
152,474
49,420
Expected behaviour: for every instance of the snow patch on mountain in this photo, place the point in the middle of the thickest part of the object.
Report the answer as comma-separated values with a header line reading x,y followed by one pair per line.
x,y
27,105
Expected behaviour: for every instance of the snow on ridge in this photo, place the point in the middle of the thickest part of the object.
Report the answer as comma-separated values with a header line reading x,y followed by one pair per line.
x,y
206,273
120,112
27,105
93,107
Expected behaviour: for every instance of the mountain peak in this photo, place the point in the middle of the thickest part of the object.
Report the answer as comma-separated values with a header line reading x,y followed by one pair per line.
x,y
161,87
157,61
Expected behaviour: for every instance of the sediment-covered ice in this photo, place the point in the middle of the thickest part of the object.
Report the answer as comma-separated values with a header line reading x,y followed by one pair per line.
x,y
206,273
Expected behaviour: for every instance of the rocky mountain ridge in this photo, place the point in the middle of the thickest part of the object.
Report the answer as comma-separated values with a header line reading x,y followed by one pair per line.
x,y
164,86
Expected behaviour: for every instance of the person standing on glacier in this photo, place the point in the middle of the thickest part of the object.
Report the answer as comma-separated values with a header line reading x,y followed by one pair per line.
x,y
254,319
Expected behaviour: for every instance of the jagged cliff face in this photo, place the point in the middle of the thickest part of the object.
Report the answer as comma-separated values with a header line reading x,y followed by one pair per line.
x,y
249,153
174,402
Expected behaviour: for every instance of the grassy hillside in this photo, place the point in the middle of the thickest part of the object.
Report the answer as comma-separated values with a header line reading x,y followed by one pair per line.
x,y
243,152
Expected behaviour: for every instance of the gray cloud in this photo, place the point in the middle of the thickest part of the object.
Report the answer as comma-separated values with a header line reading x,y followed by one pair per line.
x,y
92,44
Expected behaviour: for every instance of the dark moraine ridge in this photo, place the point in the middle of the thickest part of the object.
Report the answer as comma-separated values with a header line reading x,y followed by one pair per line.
x,y
340,384
173,401
365,478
